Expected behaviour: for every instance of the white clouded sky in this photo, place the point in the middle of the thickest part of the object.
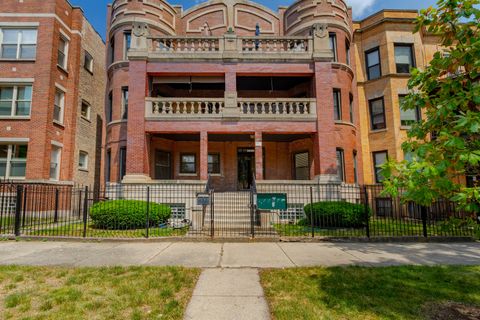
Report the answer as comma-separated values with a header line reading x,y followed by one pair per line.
x,y
360,6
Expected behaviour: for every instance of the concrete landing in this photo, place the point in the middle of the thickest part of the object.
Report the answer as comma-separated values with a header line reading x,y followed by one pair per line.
x,y
228,294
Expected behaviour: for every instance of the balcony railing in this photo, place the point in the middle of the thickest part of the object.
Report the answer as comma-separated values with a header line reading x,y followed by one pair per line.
x,y
283,109
230,47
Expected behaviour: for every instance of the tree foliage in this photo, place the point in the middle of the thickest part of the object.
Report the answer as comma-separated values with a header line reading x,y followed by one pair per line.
x,y
445,144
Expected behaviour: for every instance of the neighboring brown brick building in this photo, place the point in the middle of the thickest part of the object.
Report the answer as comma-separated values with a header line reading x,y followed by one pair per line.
x,y
52,80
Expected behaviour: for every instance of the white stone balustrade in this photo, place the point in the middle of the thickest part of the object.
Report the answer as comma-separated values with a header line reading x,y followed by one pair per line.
x,y
282,109
266,44
185,44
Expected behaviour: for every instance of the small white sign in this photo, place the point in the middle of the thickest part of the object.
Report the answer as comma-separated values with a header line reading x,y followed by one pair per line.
x,y
258,143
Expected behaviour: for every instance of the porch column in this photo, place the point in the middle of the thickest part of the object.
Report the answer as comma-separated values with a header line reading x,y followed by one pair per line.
x,y
138,169
324,151
258,156
203,155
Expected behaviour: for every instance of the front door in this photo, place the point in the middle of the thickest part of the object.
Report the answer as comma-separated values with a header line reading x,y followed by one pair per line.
x,y
246,167
163,165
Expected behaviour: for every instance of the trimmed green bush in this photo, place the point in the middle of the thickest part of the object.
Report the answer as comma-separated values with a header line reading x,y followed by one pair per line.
x,y
127,214
340,214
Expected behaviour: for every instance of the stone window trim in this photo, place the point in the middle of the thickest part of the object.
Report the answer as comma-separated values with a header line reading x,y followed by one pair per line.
x,y
12,158
21,42
15,99
83,161
371,67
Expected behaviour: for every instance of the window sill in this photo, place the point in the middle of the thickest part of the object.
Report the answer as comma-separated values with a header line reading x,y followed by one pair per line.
x,y
14,117
216,174
58,123
88,70
83,169
187,174
379,130
405,127
63,69
17,60
86,119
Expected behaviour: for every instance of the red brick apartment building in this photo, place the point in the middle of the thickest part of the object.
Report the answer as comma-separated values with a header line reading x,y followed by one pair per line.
x,y
231,89
52,93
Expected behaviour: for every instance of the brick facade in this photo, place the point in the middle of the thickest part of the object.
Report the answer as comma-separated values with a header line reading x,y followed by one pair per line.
x,y
54,19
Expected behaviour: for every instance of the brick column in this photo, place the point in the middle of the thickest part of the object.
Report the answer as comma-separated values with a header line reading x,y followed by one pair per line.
x,y
324,151
203,155
138,166
231,109
258,156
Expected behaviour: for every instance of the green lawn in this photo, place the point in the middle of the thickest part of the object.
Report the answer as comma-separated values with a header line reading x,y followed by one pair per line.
x,y
95,293
76,230
368,293
378,228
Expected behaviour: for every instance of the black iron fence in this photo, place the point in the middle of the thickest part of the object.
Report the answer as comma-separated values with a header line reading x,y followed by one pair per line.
x,y
268,209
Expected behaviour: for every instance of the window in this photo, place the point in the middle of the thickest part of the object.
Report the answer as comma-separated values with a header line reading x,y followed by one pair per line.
x,y
125,103
355,167
112,50
59,106
379,158
85,111
128,41
214,163
333,45
123,162
384,207
302,168
83,160
408,156
18,43
404,57
347,49
337,105
351,107
13,161
410,116
108,164
15,101
341,165
62,53
109,110
88,64
188,163
374,69
55,163
377,114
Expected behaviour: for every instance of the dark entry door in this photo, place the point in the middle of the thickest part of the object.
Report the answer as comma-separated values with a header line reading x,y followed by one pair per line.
x,y
163,165
246,168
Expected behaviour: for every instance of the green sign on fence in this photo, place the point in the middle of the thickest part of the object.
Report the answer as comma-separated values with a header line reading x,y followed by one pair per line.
x,y
272,201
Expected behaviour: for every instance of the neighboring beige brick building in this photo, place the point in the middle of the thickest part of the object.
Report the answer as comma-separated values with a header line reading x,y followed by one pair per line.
x,y
385,48
52,88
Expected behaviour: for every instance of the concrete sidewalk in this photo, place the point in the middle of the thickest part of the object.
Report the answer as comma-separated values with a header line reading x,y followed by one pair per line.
x,y
236,255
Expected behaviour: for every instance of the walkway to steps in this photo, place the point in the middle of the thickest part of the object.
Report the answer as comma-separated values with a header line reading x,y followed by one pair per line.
x,y
232,217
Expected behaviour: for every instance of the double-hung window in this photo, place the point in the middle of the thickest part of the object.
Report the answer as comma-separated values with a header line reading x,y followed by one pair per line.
x,y
18,44
377,114
374,70
333,45
214,163
83,160
410,116
341,165
404,57
55,159
15,100
348,52
302,167
62,52
188,164
85,111
379,158
13,161
337,104
127,41
59,106
125,103
88,63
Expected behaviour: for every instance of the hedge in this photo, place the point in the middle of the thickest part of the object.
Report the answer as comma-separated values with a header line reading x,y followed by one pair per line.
x,y
127,214
340,214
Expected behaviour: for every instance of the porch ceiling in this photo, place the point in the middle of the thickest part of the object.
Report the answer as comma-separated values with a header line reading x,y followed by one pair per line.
x,y
285,137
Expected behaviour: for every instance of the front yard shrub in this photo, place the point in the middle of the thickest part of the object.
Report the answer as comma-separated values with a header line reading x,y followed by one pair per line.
x,y
332,214
127,214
